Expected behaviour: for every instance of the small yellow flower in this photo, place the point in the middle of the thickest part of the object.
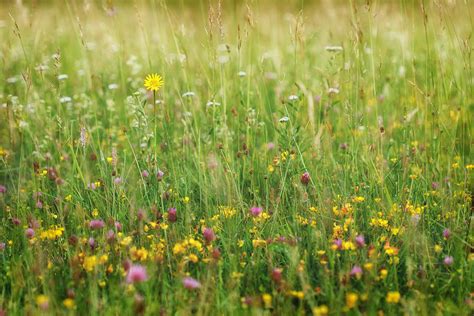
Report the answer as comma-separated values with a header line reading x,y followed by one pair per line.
x,y
153,82
69,303
42,301
393,297
267,300
322,310
351,300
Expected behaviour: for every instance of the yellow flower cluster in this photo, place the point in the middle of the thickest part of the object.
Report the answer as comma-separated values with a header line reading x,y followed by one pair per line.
x,y
54,232
186,245
90,262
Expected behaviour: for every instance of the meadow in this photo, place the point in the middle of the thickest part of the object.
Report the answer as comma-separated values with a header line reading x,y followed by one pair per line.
x,y
236,157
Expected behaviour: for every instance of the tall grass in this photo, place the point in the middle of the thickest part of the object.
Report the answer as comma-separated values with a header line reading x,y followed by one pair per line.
x,y
326,145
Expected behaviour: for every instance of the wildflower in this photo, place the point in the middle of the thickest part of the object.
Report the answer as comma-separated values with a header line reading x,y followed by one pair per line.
x,y
89,263
65,99
277,275
16,221
69,303
293,98
333,91
29,233
446,233
322,310
212,103
172,217
96,224
136,273
3,189
256,211
153,82
117,180
42,301
145,174
356,272
267,300
2,246
448,261
360,241
438,248
188,94
53,233
351,300
242,74
191,283
159,175
297,294
110,236
62,77
305,178
392,297
284,119
91,243
113,86
337,244
208,234
333,49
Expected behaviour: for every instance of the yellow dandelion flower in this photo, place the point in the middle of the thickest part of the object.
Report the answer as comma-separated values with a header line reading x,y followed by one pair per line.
x,y
322,310
42,301
267,300
153,82
393,297
351,300
69,303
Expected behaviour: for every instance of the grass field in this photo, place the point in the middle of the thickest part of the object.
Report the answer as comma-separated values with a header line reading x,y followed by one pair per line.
x,y
301,157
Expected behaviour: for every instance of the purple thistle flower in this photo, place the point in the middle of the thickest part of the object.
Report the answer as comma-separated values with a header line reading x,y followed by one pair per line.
x,y
110,236
159,175
96,224
118,181
448,261
305,178
256,210
360,241
16,221
338,243
172,217
446,233
136,273
3,189
191,283
208,234
91,242
30,233
118,226
145,174
356,272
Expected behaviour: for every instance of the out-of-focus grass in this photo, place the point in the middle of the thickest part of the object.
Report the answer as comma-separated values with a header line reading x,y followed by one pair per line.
x,y
374,100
